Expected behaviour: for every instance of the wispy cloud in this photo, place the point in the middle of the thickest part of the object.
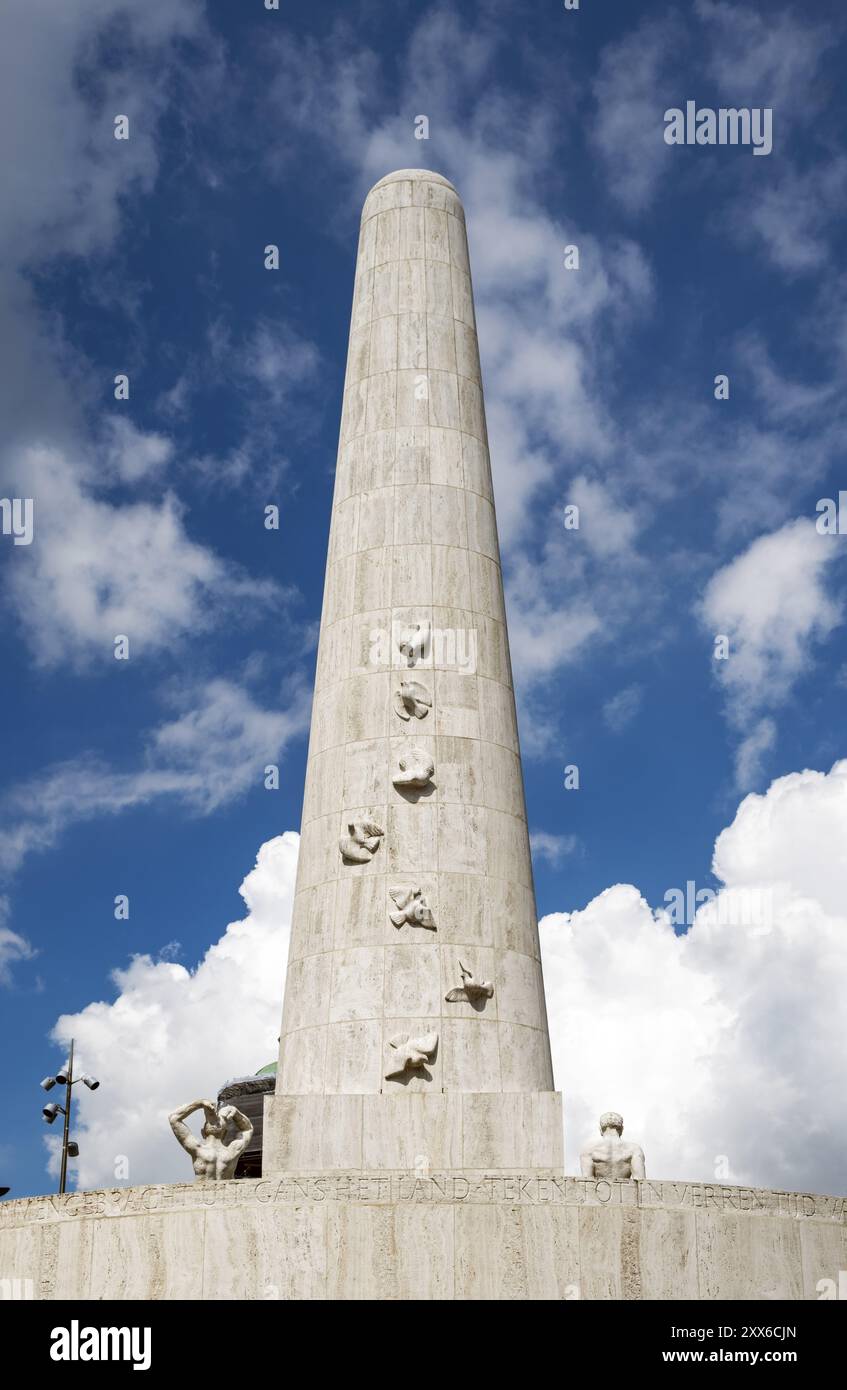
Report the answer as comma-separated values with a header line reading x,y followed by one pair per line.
x,y
13,947
113,551
631,93
774,603
554,849
621,709
771,55
98,569
796,217
211,754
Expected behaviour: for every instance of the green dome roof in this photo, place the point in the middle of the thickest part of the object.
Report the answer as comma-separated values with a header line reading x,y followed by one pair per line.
x,y
269,1070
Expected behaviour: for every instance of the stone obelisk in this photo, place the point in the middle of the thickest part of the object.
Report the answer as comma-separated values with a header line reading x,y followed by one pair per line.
x,y
414,1029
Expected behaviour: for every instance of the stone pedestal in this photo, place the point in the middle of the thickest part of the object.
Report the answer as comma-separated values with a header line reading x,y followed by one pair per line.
x,y
412,1132
424,1235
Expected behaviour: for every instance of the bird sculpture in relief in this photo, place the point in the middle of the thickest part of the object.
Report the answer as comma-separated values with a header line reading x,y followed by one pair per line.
x,y
412,908
410,1053
416,768
414,642
470,989
412,700
361,841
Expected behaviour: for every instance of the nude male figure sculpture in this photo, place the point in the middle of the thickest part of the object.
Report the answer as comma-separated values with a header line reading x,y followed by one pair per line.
x,y
211,1158
610,1156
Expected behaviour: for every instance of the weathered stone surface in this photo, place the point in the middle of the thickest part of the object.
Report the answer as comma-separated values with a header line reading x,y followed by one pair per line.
x,y
411,1128
155,1257
416,1234
734,1252
413,811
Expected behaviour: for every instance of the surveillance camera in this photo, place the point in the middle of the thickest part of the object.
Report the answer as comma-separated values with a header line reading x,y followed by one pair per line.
x,y
48,1083
91,1082
73,1149
50,1112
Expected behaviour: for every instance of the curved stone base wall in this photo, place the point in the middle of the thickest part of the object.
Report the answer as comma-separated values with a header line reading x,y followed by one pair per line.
x,y
452,1234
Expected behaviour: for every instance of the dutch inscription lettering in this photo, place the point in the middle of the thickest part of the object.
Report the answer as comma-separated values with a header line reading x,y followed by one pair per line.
x,y
514,1189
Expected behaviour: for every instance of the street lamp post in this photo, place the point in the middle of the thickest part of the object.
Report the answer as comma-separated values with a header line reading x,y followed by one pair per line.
x,y
65,1078
63,1177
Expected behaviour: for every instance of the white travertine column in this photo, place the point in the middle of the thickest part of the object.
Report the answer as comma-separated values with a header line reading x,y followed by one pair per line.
x,y
413,552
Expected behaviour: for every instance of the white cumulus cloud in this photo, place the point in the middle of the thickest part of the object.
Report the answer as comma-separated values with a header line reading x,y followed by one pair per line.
x,y
173,1034
96,570
722,1047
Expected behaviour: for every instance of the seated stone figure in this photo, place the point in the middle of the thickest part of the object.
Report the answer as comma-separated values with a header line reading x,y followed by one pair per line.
x,y
211,1158
611,1156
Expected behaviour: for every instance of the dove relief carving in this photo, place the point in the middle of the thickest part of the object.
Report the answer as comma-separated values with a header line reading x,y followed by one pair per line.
x,y
416,768
471,990
361,842
412,700
412,908
410,1053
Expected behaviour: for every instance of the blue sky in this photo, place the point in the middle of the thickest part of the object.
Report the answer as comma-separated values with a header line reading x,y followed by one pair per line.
x,y
248,127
